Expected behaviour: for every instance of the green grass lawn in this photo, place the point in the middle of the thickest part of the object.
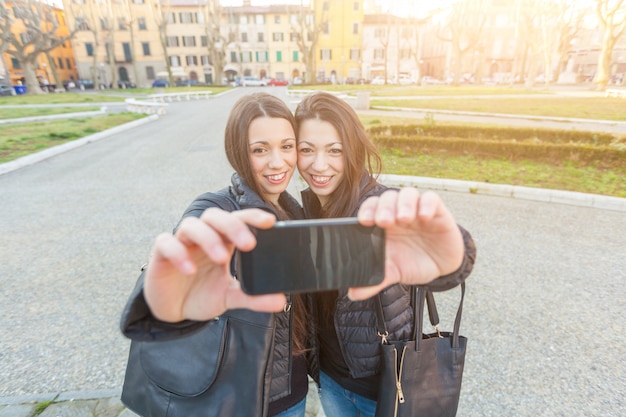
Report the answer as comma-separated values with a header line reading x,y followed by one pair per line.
x,y
24,139
414,90
604,108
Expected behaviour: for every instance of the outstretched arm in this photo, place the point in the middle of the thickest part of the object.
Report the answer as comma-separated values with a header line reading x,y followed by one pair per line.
x,y
423,239
188,275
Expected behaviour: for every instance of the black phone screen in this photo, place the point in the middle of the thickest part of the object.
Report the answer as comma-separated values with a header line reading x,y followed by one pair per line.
x,y
313,255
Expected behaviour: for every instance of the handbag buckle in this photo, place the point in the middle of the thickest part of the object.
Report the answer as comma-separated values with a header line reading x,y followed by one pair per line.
x,y
383,337
438,332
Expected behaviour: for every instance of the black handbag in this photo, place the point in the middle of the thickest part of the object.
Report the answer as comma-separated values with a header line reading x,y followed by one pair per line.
x,y
422,376
223,368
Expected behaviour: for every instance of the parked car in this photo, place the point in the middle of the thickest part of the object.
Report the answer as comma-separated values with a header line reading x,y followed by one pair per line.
x,y
378,80
405,80
298,81
427,79
85,84
275,82
160,83
6,90
248,81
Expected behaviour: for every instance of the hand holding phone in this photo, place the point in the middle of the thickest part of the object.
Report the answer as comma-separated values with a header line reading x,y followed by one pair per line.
x,y
313,255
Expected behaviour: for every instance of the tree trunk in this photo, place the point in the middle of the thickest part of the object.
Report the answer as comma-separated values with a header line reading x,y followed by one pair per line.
x,y
32,84
603,70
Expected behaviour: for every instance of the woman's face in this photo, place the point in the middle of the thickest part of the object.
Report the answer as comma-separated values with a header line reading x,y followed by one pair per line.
x,y
272,146
320,157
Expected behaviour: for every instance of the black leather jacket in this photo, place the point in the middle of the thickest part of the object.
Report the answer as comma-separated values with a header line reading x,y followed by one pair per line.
x,y
359,343
139,325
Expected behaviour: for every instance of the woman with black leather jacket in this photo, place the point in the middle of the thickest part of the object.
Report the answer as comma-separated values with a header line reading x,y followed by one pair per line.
x,y
198,349
424,246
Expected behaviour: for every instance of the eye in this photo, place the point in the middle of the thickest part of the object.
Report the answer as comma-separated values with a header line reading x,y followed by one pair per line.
x,y
305,150
288,146
336,151
257,150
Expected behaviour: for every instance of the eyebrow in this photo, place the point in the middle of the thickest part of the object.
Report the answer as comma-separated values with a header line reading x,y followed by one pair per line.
x,y
326,146
266,142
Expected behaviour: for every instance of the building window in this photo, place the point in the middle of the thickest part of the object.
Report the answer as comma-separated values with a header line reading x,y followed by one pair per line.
x,y
205,60
326,6
89,48
326,54
174,61
104,23
293,36
69,63
259,19
379,54
260,37
295,56
121,23
171,18
139,1
261,56
279,56
192,60
150,72
186,17
277,19
172,41
379,32
355,53
277,36
355,6
82,23
141,23
200,17
244,37
146,48
243,20
355,28
326,28
15,63
189,41
233,56
60,61
128,57
246,56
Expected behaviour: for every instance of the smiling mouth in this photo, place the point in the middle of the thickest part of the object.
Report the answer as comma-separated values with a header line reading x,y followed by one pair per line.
x,y
320,180
277,177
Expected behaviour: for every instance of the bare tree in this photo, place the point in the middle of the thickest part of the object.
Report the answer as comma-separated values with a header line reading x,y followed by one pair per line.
x,y
130,21
38,37
6,21
216,42
307,31
612,17
161,12
385,41
463,28
87,17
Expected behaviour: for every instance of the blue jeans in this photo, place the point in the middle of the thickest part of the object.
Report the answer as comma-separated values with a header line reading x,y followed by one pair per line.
x,y
339,402
297,410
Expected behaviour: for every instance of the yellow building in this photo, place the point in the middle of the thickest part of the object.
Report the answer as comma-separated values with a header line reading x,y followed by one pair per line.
x,y
339,46
59,60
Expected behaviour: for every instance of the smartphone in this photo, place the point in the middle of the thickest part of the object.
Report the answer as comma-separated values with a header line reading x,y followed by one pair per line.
x,y
312,255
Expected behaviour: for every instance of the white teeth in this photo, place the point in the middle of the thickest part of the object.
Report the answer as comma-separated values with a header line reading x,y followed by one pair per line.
x,y
319,179
277,177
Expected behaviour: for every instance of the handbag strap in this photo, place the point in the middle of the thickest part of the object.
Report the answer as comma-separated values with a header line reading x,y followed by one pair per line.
x,y
419,297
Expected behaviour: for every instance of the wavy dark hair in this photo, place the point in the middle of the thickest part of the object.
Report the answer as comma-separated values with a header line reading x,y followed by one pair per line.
x,y
362,162
244,112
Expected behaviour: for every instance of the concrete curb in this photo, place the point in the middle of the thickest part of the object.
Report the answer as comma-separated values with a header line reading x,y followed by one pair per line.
x,y
61,396
511,191
52,117
48,153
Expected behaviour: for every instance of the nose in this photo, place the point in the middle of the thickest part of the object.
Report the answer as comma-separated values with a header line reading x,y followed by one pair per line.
x,y
320,163
276,160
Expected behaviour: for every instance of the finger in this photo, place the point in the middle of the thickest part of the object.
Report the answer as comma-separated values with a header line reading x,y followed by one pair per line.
x,y
269,303
429,205
367,211
386,209
407,204
234,226
363,293
169,249
193,231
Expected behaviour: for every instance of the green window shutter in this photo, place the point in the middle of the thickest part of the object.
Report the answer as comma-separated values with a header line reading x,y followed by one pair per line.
x,y
279,56
295,56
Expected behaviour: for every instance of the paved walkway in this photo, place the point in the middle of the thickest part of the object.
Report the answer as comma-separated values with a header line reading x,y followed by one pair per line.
x,y
543,313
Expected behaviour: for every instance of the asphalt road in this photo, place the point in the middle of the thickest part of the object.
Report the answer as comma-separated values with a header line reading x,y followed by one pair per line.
x,y
543,314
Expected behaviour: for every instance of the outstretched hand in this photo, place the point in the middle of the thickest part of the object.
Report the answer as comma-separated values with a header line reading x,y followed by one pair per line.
x,y
188,275
423,240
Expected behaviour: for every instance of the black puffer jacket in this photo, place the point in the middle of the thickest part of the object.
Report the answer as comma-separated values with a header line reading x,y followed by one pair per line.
x,y
359,343
139,325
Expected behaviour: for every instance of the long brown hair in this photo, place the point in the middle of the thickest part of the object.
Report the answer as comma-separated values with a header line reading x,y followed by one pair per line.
x,y
361,159
244,112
